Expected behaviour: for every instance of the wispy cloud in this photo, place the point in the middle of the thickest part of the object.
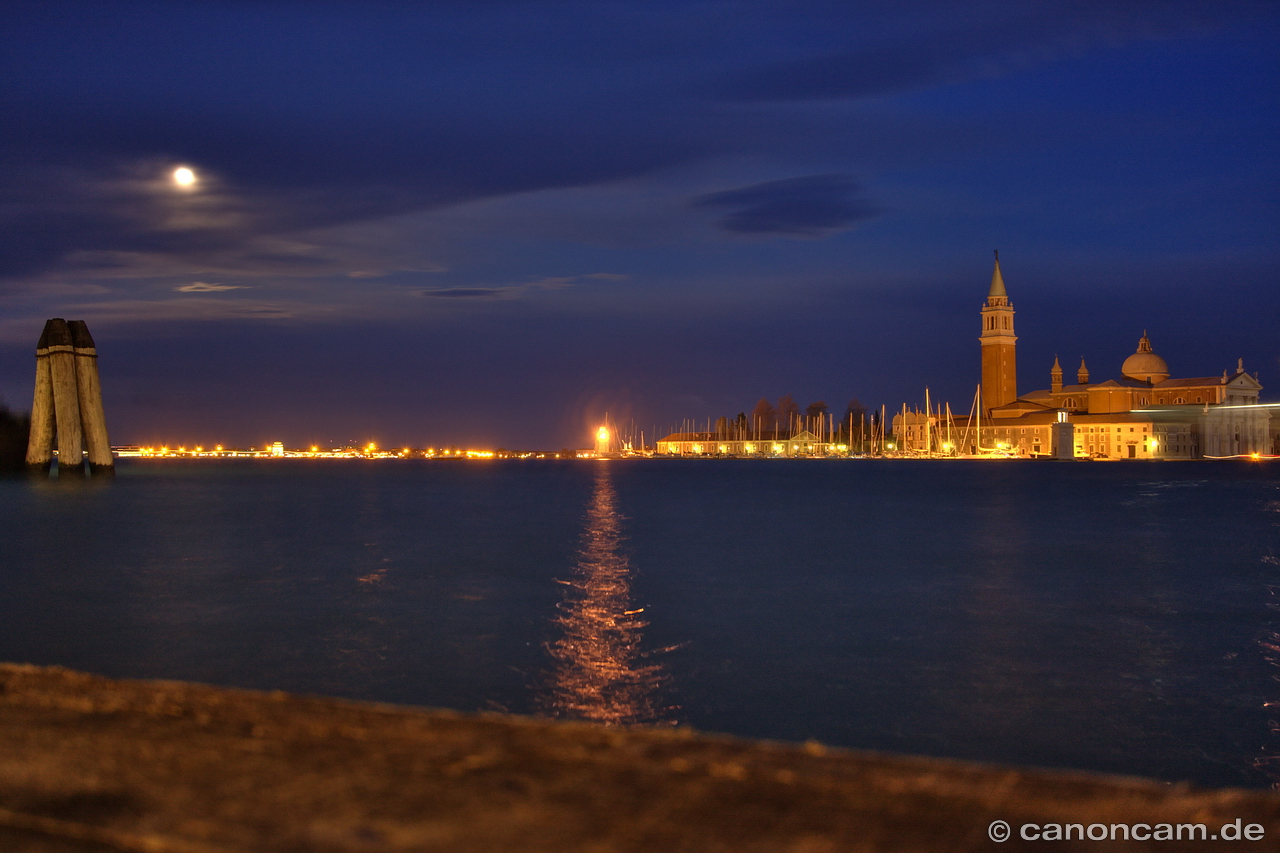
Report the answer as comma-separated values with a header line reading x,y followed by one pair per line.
x,y
207,287
554,282
512,291
991,39
809,206
471,292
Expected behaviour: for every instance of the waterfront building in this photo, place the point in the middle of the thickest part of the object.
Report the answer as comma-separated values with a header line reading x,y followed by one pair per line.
x,y
1145,413
766,443
915,432
921,432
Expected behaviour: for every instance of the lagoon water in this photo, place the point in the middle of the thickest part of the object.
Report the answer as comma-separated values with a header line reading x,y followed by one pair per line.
x,y
1120,617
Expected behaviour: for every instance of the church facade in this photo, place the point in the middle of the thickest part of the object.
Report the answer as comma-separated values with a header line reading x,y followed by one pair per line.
x,y
1145,413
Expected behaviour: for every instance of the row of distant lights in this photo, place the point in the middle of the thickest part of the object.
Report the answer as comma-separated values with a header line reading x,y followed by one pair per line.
x,y
277,450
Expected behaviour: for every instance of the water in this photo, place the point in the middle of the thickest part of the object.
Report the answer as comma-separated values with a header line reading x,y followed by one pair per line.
x,y
1119,617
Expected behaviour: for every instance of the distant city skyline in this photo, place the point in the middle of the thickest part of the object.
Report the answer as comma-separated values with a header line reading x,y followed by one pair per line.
x,y
488,224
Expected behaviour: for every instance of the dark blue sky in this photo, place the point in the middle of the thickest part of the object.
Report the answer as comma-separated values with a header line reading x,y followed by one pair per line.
x,y
489,222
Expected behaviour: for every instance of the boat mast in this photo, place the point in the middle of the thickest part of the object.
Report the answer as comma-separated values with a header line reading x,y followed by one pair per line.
x,y
973,410
904,426
928,433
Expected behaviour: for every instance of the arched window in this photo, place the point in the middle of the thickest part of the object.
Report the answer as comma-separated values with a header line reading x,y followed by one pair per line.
x,y
1006,322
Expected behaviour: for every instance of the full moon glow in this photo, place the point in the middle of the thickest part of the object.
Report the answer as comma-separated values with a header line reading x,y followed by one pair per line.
x,y
184,177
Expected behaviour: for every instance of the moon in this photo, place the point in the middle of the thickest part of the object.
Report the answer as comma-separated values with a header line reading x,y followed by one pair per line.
x,y
184,177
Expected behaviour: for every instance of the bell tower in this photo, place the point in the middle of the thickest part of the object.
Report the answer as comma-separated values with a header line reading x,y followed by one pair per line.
x,y
999,345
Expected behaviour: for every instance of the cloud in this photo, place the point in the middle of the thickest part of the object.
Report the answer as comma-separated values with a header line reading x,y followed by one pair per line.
x,y
130,312
470,292
318,166
809,206
55,289
554,282
562,281
865,73
336,236
206,287
991,39
512,291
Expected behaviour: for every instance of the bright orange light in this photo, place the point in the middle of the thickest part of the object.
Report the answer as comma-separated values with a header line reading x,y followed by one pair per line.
x,y
184,177
602,434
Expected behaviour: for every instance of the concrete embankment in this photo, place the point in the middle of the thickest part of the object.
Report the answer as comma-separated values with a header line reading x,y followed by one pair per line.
x,y
93,764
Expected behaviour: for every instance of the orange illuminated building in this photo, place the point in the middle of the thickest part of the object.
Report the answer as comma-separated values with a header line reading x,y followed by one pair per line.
x,y
1143,414
999,345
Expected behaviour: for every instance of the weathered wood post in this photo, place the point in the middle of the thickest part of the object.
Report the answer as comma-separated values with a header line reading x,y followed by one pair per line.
x,y
66,396
40,441
89,391
68,402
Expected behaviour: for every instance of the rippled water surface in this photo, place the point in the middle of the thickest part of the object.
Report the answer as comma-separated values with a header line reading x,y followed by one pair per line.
x,y
1108,616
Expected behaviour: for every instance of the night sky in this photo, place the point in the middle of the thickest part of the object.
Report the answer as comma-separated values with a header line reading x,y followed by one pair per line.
x,y
488,223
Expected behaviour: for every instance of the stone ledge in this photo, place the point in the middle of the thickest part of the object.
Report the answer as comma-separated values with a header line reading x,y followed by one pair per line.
x,y
93,764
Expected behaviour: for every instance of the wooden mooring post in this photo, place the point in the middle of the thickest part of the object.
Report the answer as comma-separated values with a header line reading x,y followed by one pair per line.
x,y
68,402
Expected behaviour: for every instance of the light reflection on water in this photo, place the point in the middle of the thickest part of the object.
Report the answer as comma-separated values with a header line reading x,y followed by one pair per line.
x,y
1268,760
602,673
1079,616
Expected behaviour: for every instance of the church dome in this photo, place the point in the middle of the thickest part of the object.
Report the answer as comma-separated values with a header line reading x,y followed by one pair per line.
x,y
1144,365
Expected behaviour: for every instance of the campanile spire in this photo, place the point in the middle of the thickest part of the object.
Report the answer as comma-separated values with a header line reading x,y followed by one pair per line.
x,y
997,290
999,344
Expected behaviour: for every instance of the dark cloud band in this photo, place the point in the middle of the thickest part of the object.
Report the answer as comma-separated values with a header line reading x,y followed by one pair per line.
x,y
809,206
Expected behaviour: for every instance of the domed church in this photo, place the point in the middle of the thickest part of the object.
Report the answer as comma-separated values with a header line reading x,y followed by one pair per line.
x,y
1143,414
1144,365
